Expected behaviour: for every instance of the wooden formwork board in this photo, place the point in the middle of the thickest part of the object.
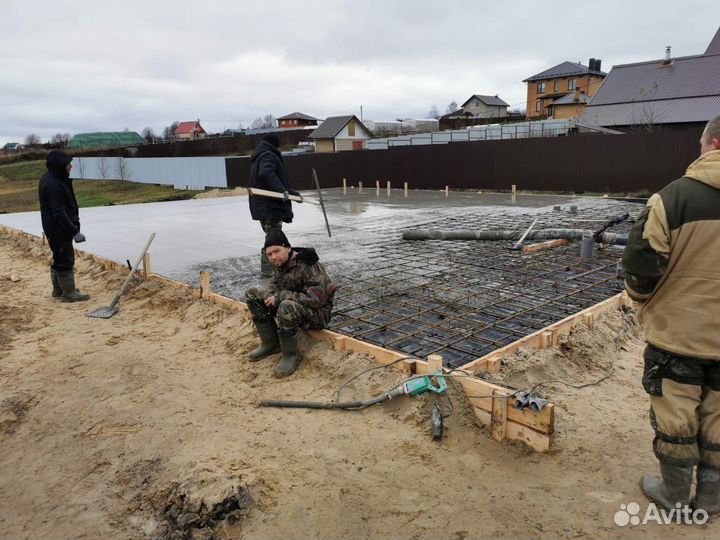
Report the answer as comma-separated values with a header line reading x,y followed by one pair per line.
x,y
493,405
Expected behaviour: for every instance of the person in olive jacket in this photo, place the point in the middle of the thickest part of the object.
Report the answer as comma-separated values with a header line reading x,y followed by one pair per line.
x,y
61,224
267,171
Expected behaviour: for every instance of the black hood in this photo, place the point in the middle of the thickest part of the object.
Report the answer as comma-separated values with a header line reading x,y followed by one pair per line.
x,y
57,162
307,255
263,147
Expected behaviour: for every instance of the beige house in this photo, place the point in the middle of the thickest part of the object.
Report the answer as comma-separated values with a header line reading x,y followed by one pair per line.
x,y
339,133
485,107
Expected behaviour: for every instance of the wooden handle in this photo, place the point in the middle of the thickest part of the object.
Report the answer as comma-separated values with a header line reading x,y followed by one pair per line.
x,y
273,194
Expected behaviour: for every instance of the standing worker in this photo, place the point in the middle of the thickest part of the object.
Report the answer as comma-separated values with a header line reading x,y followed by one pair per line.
x,y
671,269
299,296
61,223
267,171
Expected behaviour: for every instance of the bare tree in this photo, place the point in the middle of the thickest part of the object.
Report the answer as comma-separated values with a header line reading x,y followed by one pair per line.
x,y
452,107
148,134
265,122
644,113
32,139
434,113
169,132
102,167
80,165
61,138
240,125
122,169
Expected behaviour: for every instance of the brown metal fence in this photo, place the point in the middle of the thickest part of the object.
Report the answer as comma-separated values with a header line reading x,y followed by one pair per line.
x,y
629,163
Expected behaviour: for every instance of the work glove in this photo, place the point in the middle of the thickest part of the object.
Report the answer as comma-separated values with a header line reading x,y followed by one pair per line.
x,y
286,195
79,237
297,194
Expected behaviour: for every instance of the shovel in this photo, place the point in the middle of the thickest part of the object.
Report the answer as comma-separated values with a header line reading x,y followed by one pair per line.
x,y
112,309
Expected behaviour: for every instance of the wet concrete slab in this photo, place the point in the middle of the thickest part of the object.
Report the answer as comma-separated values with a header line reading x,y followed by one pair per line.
x,y
460,299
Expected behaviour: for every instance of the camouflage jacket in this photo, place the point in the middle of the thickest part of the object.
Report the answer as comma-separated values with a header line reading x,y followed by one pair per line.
x,y
302,279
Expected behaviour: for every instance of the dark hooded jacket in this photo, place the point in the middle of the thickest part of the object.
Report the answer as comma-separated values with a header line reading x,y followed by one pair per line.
x,y
267,171
58,205
302,279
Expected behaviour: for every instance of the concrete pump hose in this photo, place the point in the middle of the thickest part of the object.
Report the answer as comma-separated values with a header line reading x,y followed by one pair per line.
x,y
546,234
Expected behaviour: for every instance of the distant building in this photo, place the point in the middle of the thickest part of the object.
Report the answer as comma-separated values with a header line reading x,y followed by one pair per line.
x,y
339,133
383,128
106,139
559,81
296,119
189,131
485,107
420,125
680,92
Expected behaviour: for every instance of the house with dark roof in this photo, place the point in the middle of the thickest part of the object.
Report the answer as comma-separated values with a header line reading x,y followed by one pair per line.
x,y
481,106
669,92
339,133
296,120
559,81
189,131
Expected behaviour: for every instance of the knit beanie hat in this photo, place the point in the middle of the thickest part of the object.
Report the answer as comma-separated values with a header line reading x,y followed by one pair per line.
x,y
275,237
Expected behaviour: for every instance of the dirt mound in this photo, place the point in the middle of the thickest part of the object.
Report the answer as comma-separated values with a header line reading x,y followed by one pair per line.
x,y
582,356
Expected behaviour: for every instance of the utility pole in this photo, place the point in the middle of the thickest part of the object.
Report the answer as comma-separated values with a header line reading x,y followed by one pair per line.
x,y
361,116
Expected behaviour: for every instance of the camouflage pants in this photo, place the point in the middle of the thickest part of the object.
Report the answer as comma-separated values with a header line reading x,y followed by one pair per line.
x,y
684,408
288,314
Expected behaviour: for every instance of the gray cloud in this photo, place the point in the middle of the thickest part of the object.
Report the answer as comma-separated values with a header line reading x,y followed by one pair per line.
x,y
106,66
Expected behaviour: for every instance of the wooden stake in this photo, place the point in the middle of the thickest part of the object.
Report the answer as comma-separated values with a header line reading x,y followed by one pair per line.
x,y
360,186
498,420
388,188
147,266
406,189
514,191
447,190
205,285
344,186
377,187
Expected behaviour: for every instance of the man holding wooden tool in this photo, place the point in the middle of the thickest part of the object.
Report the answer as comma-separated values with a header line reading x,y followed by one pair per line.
x,y
267,171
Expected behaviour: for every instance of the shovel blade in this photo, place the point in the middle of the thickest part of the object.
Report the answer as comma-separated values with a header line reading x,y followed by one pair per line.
x,y
103,312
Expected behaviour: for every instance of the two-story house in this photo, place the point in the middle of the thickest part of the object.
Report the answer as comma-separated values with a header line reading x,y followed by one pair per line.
x,y
188,131
569,80
481,106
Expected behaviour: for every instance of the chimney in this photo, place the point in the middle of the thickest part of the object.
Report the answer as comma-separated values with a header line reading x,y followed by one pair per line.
x,y
597,64
591,64
667,55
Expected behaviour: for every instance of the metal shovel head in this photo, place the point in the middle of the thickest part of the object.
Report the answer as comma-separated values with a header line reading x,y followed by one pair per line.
x,y
103,312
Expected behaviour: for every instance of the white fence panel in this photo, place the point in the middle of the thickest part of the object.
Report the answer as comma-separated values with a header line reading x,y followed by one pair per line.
x,y
195,173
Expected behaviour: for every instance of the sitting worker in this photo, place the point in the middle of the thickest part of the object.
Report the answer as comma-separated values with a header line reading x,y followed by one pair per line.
x,y
300,295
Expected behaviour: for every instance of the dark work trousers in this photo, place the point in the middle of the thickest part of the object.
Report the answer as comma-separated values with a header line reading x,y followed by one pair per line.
x,y
63,254
268,224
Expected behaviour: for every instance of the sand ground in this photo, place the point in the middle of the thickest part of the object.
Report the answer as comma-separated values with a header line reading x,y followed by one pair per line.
x,y
147,425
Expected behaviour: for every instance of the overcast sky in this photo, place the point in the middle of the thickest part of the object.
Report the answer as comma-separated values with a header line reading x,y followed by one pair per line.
x,y
104,66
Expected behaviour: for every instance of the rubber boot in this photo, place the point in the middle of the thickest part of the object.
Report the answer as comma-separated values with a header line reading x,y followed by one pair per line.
x,y
266,267
57,290
269,343
673,488
67,284
707,495
290,356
